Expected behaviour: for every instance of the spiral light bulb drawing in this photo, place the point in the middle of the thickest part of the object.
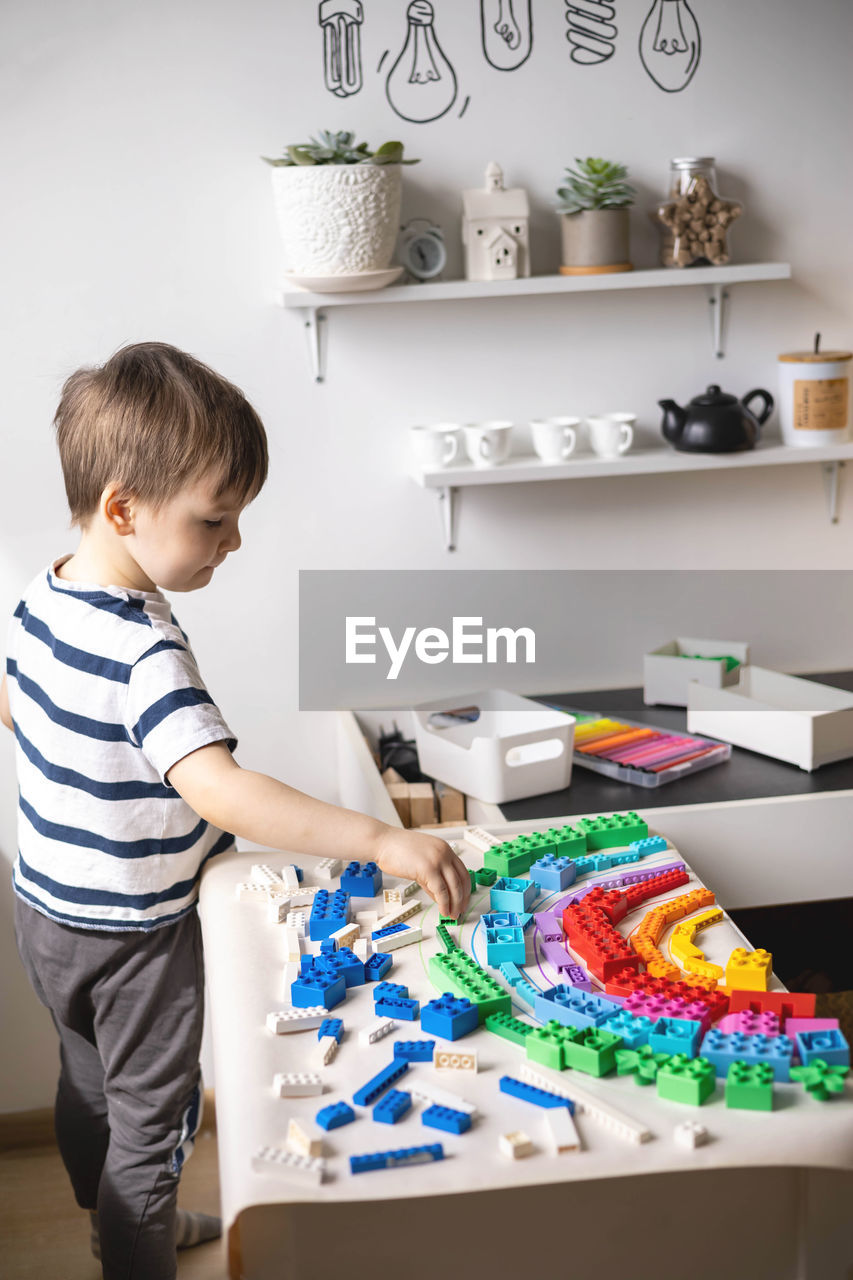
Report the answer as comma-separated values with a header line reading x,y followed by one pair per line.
x,y
592,33
670,44
421,85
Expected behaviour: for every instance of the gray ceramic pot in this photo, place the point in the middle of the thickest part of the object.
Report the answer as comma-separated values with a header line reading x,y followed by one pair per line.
x,y
594,241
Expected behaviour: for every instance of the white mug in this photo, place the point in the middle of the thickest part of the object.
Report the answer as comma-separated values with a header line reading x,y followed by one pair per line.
x,y
554,438
436,445
612,434
487,442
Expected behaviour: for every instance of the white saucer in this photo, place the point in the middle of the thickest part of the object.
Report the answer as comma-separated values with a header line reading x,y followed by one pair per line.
x,y
358,282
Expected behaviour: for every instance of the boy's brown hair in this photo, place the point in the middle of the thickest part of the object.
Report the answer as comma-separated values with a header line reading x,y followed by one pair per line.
x,y
153,418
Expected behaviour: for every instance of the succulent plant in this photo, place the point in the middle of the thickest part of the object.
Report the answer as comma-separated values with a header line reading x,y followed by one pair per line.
x,y
595,184
339,148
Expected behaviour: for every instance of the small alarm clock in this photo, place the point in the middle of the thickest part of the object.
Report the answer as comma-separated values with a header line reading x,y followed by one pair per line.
x,y
421,249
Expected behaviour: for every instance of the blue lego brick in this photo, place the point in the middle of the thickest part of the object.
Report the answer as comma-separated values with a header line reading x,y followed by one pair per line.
x,y
513,895
390,991
830,1045
527,992
300,875
331,1027
675,1035
446,1118
634,1031
651,844
335,1116
574,1008
501,919
529,1093
329,912
327,948
383,1080
450,1017
401,1008
505,944
511,973
350,966
552,873
377,965
723,1049
341,963
392,1107
524,918
414,1050
361,881
388,931
397,1159
308,991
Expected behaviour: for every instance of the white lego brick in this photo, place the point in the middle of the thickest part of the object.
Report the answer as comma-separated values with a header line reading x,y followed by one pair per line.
x,y
376,1031
589,1104
277,907
363,948
290,973
264,875
562,1134
297,920
461,1060
292,943
480,839
400,914
515,1145
294,1167
289,877
327,1049
300,1142
251,891
296,1084
292,1019
405,938
398,893
303,895
690,1134
366,919
426,1091
345,937
328,868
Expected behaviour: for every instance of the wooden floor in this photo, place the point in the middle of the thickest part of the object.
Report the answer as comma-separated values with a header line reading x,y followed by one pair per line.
x,y
44,1236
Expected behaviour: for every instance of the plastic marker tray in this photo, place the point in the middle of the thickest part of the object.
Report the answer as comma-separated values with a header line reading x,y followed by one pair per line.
x,y
648,760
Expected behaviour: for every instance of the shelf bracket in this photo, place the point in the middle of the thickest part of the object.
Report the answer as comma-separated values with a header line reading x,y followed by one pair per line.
x,y
314,321
447,506
831,479
718,297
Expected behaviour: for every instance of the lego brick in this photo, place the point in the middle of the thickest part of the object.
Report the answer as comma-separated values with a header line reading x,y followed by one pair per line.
x,y
446,1119
251,891
748,970
369,1092
457,972
553,874
508,1027
648,845
363,948
688,1080
632,1030
300,1142
821,1079
404,1009
549,926
290,973
830,1045
747,1023
642,1063
516,1145
327,1051
683,948
749,1086
787,1004
456,1060
347,963
505,863
376,966
527,992
397,1159
532,1093
414,1050
511,973
292,945
397,935
331,1027
574,1008
486,877
291,876
392,1107
547,1045
361,880
593,1051
297,1084
335,1116
722,1050
675,1035
690,1134
309,991
442,934
505,945
329,912
479,839
613,831
304,895
508,894
398,893
327,868
588,1103
629,983
376,1031
345,937
263,874
562,1133
278,908
297,920
366,919
288,1164
450,1017
424,1090
390,991
400,914
281,1021
792,1025
557,956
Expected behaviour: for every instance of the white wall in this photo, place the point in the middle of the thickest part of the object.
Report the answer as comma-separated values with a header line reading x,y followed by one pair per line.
x,y
136,207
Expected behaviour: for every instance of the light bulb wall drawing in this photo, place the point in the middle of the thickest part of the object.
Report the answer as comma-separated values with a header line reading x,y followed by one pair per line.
x,y
421,85
506,29
670,44
592,32
341,21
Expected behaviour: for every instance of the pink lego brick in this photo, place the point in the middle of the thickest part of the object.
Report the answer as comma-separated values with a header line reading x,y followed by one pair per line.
x,y
748,1023
793,1025
642,1005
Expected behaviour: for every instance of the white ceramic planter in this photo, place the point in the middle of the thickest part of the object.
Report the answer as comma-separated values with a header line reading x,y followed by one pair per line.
x,y
337,219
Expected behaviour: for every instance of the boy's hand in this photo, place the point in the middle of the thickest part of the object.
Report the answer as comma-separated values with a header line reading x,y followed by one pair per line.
x,y
417,855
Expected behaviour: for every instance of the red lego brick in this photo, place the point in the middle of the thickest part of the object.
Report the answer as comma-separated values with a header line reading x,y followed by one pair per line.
x,y
646,889
787,1004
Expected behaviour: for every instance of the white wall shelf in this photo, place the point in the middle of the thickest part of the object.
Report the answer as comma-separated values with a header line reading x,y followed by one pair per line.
x,y
525,469
312,308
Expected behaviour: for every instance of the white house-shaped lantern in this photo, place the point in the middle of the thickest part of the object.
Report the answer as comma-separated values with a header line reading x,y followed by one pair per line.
x,y
496,229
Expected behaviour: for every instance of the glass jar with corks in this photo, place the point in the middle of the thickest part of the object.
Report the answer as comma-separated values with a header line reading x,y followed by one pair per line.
x,y
693,220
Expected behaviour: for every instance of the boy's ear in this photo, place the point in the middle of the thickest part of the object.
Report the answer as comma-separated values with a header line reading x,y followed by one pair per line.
x,y
117,509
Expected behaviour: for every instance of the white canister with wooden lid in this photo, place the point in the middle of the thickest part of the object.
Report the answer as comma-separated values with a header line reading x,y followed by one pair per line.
x,y
814,397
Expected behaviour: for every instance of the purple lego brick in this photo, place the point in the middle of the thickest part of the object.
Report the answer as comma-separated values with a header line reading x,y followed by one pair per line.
x,y
548,926
557,955
748,1023
577,976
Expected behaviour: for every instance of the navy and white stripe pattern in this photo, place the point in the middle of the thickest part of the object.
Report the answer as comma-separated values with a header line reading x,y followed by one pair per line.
x,y
105,697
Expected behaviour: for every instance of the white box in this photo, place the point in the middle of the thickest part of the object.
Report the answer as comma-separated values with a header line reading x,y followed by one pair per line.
x,y
667,673
516,747
791,719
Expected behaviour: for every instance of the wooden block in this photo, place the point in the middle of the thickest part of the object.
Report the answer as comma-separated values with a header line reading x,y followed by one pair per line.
x,y
421,803
399,793
451,804
391,775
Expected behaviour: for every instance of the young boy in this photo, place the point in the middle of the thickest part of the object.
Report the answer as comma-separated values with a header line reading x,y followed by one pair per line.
x,y
128,784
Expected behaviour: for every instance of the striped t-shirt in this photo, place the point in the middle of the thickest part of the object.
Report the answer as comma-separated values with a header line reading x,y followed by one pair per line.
x,y
105,697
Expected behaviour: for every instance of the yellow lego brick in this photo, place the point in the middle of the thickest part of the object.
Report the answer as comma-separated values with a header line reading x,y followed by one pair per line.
x,y
748,970
683,949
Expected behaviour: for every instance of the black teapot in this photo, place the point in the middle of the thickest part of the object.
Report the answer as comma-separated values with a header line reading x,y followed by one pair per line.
x,y
715,422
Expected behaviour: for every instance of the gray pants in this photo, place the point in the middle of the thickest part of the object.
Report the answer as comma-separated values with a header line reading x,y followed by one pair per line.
x,y
128,1008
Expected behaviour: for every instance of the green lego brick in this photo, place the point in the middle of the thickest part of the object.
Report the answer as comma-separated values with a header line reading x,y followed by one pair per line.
x,y
472,876
688,1080
569,842
820,1079
593,1051
749,1086
643,1063
609,831
444,938
549,1044
509,1028
455,971
486,876
505,863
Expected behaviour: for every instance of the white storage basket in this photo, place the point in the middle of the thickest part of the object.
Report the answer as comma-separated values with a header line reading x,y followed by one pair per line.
x,y
667,671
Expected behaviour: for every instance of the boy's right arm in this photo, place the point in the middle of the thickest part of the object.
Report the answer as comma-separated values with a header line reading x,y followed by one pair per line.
x,y
268,812
5,713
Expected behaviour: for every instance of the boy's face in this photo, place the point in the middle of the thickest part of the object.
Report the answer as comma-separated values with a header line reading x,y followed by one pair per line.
x,y
178,545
